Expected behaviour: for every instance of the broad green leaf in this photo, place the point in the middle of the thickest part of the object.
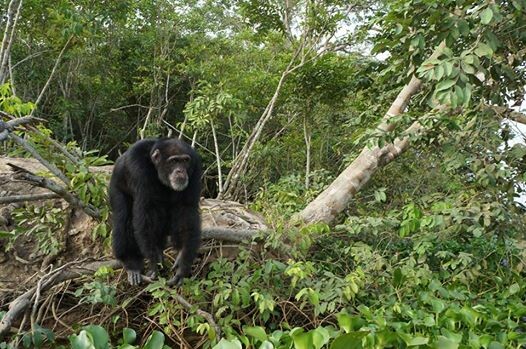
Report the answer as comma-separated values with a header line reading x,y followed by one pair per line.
x,y
439,72
128,335
320,337
266,345
486,16
514,289
448,68
483,50
100,336
417,341
444,85
302,340
349,340
467,94
463,27
495,345
155,341
81,341
257,332
398,277
350,322
467,68
228,344
444,343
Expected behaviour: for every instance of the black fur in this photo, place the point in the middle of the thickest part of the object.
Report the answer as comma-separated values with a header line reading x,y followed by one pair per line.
x,y
145,211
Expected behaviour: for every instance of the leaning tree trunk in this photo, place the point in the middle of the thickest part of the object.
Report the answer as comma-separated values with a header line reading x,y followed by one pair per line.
x,y
333,200
13,12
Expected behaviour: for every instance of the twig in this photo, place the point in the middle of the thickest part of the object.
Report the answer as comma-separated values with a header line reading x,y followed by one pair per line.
x,y
55,66
22,173
21,303
207,316
28,197
52,168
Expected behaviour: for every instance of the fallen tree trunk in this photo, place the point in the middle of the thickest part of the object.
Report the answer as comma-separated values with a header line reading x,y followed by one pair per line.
x,y
335,198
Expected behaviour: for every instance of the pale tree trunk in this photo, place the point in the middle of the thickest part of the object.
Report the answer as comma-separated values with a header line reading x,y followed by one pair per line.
x,y
307,137
241,161
218,158
334,199
13,12
51,75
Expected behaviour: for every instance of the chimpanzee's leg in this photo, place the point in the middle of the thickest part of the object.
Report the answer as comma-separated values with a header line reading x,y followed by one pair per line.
x,y
125,247
186,236
149,224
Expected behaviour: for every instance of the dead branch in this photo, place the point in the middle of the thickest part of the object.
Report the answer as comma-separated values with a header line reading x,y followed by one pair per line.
x,y
208,317
25,198
42,182
29,148
21,303
232,235
18,306
511,114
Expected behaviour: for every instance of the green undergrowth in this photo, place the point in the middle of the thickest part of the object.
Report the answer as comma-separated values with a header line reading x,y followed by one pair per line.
x,y
453,279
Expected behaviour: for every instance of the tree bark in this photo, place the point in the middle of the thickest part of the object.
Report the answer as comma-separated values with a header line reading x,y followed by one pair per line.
x,y
334,199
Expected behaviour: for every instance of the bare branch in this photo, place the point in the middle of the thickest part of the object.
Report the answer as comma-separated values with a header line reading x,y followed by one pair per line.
x,y
29,197
42,182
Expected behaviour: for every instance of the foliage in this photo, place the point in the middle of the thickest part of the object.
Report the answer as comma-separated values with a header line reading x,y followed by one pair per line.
x,y
430,253
41,223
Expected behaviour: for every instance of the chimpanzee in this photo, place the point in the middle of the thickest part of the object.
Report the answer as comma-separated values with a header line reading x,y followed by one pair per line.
x,y
154,192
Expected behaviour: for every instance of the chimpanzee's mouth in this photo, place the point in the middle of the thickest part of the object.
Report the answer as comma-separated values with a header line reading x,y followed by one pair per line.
x,y
178,183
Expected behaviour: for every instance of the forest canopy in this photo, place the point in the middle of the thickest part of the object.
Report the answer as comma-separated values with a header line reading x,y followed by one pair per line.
x,y
364,169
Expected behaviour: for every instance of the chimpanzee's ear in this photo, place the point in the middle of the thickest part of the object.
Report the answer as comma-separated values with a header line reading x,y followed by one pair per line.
x,y
156,156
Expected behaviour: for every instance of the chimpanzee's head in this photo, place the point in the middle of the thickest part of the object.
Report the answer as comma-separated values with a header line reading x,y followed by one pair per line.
x,y
174,162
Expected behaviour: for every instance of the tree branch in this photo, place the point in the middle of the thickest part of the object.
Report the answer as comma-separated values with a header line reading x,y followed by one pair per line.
x,y
29,197
42,182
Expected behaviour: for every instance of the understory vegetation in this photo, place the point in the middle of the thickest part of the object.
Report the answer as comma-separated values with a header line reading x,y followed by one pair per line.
x,y
429,250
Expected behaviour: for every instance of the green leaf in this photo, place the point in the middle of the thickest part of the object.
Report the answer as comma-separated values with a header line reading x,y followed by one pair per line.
x,y
155,341
417,341
495,345
100,336
486,16
350,340
256,332
320,337
129,336
439,72
266,345
514,289
228,344
444,343
302,340
82,341
448,68
398,277
467,94
483,50
467,68
444,85
463,27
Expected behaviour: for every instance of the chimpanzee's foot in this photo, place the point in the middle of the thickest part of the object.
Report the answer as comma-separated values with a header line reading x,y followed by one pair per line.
x,y
134,277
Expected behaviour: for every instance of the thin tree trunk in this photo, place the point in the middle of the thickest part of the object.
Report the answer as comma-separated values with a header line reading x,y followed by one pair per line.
x,y
218,159
333,200
241,161
146,121
307,137
51,75
10,27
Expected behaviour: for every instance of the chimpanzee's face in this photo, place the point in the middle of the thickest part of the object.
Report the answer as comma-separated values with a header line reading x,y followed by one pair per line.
x,y
174,167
